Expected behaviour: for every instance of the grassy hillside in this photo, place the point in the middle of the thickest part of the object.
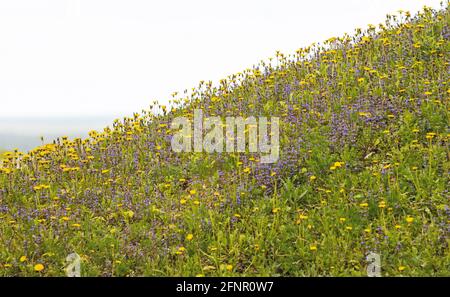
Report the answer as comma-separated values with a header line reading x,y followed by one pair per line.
x,y
363,168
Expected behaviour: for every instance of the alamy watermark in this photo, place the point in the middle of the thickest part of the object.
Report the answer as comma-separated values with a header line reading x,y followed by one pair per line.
x,y
374,265
73,268
229,135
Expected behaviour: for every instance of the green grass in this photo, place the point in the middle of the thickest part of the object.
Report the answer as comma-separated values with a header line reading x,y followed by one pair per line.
x,y
364,168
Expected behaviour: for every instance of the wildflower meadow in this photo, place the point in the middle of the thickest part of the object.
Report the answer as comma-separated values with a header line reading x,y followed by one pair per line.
x,y
362,168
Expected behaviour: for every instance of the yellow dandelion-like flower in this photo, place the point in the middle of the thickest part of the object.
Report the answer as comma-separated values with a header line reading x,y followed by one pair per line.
x,y
229,267
180,250
313,248
38,267
23,259
409,219
190,237
430,135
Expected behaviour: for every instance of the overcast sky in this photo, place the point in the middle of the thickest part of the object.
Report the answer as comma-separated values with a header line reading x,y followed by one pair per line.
x,y
112,57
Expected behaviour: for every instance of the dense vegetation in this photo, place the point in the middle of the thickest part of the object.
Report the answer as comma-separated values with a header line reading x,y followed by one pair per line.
x,y
364,167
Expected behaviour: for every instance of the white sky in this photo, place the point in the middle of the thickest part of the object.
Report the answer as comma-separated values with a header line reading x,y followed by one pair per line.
x,y
113,57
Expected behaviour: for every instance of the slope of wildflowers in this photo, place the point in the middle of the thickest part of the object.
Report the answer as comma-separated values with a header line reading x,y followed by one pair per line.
x,y
364,167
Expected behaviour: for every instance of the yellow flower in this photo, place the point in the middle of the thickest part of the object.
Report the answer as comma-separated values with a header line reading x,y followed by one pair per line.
x,y
247,170
430,135
180,250
23,259
365,204
313,248
183,201
401,268
38,267
336,165
190,237
192,192
128,214
40,187
409,219
275,210
76,225
229,267
312,177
